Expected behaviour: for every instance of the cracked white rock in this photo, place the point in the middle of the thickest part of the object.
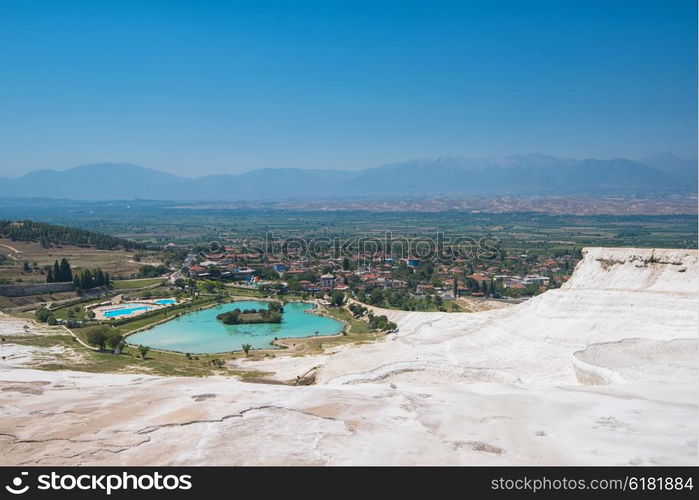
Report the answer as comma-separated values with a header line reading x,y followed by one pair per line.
x,y
496,387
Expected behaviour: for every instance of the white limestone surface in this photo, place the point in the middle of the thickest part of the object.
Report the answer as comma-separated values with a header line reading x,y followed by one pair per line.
x,y
496,387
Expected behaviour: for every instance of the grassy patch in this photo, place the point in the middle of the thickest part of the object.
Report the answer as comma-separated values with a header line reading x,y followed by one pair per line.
x,y
76,312
357,332
79,358
131,284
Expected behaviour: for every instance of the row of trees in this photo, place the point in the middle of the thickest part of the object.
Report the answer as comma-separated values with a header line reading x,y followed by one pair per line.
x,y
485,287
357,310
59,272
149,271
400,299
249,316
104,336
273,314
87,279
43,315
381,323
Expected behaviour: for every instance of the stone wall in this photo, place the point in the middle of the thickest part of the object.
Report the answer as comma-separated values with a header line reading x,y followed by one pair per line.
x,y
24,290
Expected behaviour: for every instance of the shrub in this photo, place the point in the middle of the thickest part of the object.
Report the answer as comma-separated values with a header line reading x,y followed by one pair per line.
x,y
98,336
337,299
115,340
42,314
143,349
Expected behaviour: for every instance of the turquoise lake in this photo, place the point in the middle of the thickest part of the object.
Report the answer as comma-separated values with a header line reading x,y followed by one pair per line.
x,y
200,332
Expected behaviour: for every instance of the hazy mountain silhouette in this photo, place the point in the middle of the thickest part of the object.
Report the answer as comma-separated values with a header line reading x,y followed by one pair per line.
x,y
680,169
534,174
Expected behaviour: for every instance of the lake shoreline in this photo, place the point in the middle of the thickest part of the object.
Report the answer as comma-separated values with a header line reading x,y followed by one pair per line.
x,y
279,343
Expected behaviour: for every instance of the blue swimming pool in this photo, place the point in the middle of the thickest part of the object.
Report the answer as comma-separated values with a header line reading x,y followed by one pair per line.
x,y
165,302
126,309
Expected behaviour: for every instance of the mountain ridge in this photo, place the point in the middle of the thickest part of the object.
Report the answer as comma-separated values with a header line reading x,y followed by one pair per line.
x,y
531,174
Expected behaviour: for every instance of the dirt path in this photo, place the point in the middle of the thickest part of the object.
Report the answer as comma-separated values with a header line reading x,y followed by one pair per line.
x,y
13,249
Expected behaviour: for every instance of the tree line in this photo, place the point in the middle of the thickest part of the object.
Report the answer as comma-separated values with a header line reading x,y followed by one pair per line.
x,y
59,272
87,279
49,234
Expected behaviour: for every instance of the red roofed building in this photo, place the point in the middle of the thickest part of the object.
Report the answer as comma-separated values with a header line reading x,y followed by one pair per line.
x,y
196,270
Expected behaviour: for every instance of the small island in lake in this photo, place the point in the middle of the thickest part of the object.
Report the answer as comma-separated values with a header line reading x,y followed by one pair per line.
x,y
273,314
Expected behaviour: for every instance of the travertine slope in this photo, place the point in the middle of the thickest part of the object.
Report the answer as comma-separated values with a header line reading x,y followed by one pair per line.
x,y
613,294
601,371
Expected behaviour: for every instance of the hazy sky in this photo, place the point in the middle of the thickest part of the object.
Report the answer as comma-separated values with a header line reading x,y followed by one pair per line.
x,y
198,87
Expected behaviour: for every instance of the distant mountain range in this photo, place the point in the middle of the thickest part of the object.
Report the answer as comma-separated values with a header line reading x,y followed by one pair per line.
x,y
534,174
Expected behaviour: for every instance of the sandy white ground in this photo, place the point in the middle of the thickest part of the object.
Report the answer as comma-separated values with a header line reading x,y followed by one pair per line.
x,y
496,387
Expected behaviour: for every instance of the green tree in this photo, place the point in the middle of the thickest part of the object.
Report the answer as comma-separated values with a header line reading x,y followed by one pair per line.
x,y
114,340
214,271
66,271
86,281
338,298
246,348
98,336
143,349
276,306
376,297
49,276
99,277
42,314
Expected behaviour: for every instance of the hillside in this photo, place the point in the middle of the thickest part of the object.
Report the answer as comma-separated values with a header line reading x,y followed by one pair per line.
x,y
613,294
13,254
50,234
513,175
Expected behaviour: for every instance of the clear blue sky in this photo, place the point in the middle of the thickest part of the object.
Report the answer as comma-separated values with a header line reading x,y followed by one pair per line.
x,y
196,87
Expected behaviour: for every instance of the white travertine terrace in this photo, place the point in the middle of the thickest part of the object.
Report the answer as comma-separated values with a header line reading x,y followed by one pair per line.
x,y
601,371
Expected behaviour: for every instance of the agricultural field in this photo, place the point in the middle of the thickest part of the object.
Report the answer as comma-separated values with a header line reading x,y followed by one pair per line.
x,y
159,223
